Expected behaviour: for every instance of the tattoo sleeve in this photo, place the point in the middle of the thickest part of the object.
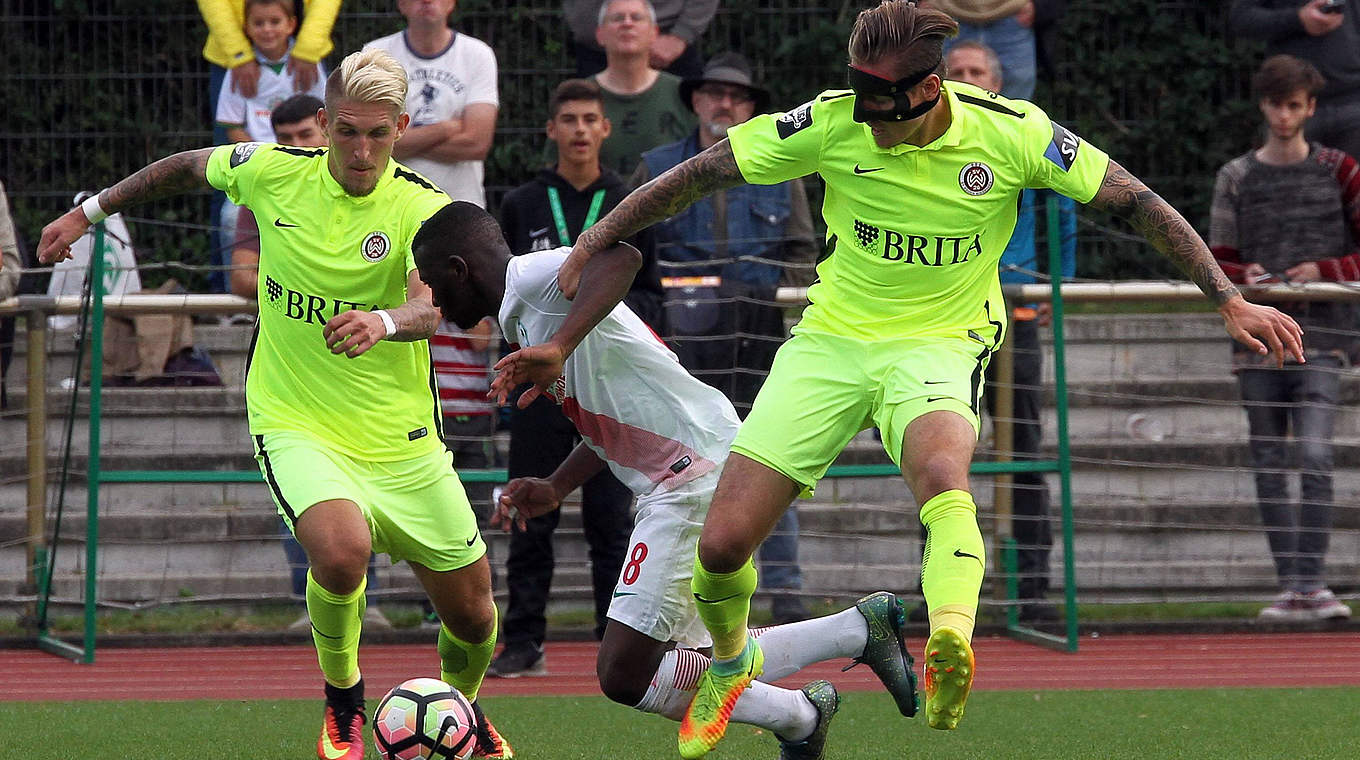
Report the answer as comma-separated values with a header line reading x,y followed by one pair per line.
x,y
1126,196
712,170
415,320
167,177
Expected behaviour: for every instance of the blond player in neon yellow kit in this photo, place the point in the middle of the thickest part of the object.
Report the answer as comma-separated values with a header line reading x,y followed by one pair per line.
x,y
339,388
922,182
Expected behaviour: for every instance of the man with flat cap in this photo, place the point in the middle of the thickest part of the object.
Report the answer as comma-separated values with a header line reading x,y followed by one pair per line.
x,y
721,260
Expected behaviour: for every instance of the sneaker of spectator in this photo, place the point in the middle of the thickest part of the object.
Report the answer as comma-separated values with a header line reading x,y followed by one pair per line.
x,y
519,660
1285,609
374,620
1322,604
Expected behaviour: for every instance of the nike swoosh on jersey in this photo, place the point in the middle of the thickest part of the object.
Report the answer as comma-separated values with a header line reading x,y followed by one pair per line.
x,y
538,232
868,171
280,223
618,594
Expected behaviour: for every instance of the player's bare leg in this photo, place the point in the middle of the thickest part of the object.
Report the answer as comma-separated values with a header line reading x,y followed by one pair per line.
x,y
749,500
936,451
467,638
336,537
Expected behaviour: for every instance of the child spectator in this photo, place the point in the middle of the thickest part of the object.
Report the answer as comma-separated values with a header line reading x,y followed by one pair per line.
x,y
269,25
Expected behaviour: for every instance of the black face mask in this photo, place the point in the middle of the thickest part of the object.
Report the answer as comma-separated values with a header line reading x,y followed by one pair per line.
x,y
866,84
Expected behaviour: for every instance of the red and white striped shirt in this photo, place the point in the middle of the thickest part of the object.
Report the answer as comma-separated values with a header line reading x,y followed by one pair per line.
x,y
462,372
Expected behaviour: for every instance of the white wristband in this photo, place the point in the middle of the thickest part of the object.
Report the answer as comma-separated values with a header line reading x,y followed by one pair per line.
x,y
93,211
387,322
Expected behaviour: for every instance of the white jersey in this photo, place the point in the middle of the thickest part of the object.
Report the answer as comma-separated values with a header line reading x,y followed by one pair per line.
x,y
631,401
440,87
275,86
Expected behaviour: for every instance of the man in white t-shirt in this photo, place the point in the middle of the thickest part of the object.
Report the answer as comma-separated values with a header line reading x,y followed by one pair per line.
x,y
453,98
665,435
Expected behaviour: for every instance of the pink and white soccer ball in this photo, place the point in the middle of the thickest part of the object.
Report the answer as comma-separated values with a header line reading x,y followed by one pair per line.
x,y
424,719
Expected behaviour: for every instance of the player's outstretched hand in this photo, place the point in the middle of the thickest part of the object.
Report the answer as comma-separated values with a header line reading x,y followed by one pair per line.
x,y
353,332
1263,329
540,365
523,499
57,236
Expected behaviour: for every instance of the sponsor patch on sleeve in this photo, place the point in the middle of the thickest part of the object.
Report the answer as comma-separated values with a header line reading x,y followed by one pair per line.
x,y
1063,150
242,153
794,121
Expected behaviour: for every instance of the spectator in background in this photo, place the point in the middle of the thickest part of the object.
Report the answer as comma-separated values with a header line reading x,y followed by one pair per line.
x,y
453,98
1005,26
228,49
1290,211
675,50
643,105
269,25
294,123
723,258
462,367
1325,34
976,64
10,265
547,212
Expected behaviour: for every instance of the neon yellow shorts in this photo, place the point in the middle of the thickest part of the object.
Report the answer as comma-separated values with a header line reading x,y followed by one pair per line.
x,y
823,389
416,508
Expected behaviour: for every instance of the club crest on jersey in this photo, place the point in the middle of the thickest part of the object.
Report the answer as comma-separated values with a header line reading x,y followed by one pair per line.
x,y
794,121
242,153
976,178
375,246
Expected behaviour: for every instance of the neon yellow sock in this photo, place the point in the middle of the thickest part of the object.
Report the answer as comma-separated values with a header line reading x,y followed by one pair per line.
x,y
954,561
462,665
336,623
725,616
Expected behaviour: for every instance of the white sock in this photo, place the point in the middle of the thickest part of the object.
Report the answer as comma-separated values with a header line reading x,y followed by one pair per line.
x,y
792,647
785,712
674,683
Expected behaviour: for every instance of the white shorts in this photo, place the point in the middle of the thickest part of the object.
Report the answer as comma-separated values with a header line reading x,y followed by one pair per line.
x,y
653,595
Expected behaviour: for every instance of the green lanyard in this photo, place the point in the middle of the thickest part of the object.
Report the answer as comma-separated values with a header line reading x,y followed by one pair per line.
x,y
563,237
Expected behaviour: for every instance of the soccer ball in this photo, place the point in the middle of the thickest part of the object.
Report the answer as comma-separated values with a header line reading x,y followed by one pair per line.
x,y
424,719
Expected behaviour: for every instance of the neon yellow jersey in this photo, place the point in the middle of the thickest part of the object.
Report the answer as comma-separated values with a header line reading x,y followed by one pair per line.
x,y
322,252
915,234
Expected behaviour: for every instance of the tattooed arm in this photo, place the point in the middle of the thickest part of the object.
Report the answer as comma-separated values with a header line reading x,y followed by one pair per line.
x,y
1125,195
675,190
169,176
1261,328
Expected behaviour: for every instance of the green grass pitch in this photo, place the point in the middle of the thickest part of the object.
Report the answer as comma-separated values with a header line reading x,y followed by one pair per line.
x,y
1201,724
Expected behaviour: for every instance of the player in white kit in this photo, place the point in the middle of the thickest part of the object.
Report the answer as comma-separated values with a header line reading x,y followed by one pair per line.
x,y
665,435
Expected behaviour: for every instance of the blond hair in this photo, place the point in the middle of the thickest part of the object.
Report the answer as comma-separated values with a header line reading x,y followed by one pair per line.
x,y
368,76
902,35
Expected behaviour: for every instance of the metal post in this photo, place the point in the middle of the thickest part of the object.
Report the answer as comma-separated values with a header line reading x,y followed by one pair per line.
x,y
1064,445
1003,435
35,322
96,411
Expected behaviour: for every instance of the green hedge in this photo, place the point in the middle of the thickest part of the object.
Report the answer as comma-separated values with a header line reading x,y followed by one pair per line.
x,y
94,90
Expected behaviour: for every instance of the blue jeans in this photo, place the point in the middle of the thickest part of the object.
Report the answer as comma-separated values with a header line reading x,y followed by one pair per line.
x,y
1302,398
778,555
1014,45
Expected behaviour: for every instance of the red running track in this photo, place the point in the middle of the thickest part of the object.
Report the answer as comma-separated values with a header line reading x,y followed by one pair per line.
x,y
290,672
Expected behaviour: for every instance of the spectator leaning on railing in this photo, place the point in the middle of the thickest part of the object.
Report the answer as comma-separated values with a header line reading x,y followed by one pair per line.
x,y
1291,211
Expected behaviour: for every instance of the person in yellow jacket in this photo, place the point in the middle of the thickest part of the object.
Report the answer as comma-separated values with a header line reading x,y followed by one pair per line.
x,y
228,48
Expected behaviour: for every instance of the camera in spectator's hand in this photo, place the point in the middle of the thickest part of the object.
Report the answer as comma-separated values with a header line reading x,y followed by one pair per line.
x,y
1333,6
